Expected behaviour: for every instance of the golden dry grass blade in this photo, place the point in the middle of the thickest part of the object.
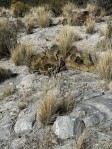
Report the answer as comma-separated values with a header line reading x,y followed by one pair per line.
x,y
21,54
48,109
104,66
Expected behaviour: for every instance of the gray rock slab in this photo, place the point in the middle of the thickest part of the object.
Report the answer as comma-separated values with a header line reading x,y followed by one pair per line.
x,y
17,143
94,111
24,123
5,129
27,81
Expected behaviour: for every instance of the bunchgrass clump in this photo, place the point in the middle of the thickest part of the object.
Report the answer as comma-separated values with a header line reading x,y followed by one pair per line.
x,y
67,9
21,54
109,31
8,38
66,106
90,25
104,66
31,22
66,38
93,9
106,43
48,109
43,16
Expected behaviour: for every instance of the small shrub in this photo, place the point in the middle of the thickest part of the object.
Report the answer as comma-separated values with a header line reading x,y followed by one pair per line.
x,y
48,62
43,16
21,54
8,38
104,66
77,17
66,39
48,108
67,9
20,25
19,9
90,24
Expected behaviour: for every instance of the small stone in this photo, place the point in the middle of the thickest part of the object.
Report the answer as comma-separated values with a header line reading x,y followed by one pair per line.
x,y
66,127
92,95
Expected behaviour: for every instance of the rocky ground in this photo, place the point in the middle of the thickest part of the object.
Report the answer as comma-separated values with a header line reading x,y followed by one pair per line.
x,y
91,116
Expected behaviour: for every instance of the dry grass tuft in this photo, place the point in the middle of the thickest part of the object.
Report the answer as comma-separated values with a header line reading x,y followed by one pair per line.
x,y
103,31
48,108
30,22
93,9
8,38
66,38
66,106
43,16
4,24
90,24
106,43
67,9
109,31
55,101
8,91
104,66
21,54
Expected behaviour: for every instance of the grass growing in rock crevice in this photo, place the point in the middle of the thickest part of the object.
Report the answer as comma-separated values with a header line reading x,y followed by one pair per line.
x,y
51,107
55,100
